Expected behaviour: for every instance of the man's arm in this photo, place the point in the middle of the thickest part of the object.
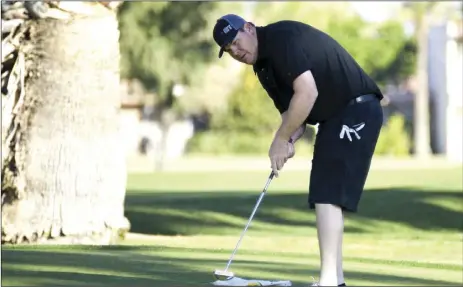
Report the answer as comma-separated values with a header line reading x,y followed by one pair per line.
x,y
283,115
298,133
305,94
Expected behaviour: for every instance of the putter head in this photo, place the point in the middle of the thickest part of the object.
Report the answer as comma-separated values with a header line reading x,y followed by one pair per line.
x,y
237,281
223,275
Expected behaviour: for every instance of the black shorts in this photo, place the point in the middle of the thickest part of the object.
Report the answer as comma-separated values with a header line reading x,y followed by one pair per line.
x,y
343,150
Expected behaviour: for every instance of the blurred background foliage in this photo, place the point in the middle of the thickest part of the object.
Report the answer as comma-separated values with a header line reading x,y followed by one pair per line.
x,y
169,43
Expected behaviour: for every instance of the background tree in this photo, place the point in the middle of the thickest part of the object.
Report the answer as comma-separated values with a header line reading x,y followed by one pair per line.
x,y
422,15
166,44
249,113
249,109
382,49
209,90
317,14
63,167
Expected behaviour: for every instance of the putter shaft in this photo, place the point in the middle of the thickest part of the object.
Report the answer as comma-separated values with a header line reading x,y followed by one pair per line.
x,y
250,219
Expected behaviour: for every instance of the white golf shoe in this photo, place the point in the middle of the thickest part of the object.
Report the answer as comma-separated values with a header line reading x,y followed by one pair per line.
x,y
315,283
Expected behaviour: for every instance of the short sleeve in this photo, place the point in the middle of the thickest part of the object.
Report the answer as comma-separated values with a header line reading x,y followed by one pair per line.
x,y
290,58
278,106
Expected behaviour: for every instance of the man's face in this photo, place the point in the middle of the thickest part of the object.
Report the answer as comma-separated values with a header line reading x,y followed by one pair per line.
x,y
244,47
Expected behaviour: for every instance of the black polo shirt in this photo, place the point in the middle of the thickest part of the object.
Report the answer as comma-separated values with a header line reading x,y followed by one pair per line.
x,y
287,49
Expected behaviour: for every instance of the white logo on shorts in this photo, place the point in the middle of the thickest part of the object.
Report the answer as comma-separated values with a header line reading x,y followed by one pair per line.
x,y
347,131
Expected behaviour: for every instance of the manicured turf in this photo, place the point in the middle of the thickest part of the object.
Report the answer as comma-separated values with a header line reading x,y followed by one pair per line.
x,y
407,232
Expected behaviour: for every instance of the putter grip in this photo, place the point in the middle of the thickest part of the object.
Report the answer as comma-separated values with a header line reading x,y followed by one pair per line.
x,y
272,174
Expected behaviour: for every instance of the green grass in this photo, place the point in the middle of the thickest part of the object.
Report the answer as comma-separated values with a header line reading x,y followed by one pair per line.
x,y
407,232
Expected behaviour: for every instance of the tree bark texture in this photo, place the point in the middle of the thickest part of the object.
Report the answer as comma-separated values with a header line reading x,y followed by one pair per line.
x,y
65,177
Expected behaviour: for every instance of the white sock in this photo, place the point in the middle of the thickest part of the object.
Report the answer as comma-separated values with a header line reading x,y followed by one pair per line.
x,y
329,230
339,261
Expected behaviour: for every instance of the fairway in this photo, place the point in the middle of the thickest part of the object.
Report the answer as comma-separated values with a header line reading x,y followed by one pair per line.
x,y
185,225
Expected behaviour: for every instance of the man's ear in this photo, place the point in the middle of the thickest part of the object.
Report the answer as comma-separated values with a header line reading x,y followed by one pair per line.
x,y
248,27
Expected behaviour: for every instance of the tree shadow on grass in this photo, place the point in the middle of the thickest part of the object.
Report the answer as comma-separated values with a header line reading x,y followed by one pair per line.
x,y
189,213
104,268
416,208
138,266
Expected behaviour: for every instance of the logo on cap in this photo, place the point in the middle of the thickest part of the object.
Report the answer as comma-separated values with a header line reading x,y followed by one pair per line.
x,y
227,29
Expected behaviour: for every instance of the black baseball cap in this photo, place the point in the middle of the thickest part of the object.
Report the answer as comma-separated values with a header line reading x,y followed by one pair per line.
x,y
226,29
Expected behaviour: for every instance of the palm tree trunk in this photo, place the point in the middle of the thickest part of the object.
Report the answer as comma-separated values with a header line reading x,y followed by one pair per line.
x,y
65,178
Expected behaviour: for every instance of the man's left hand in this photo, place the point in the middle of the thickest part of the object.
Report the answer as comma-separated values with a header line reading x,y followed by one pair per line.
x,y
279,153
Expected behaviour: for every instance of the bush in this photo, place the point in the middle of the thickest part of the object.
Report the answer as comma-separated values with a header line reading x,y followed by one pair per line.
x,y
219,143
249,109
244,143
394,139
246,126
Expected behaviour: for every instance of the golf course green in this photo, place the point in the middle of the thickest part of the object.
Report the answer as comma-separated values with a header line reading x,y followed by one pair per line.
x,y
185,225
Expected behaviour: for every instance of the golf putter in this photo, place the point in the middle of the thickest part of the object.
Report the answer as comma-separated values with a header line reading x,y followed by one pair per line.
x,y
225,274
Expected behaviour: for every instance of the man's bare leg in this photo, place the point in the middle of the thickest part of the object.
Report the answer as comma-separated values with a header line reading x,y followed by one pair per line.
x,y
329,230
339,261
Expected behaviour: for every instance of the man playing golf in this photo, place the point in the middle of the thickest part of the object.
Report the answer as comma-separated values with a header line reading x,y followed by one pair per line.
x,y
313,80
